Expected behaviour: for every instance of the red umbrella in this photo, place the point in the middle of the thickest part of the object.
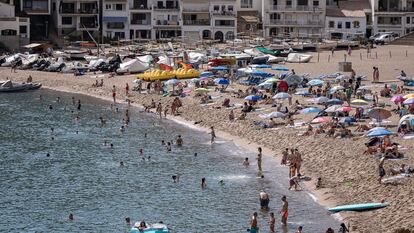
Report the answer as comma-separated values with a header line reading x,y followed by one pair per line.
x,y
320,120
397,99
343,109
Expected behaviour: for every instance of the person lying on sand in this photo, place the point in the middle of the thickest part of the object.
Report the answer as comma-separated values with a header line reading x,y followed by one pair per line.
x,y
404,169
362,128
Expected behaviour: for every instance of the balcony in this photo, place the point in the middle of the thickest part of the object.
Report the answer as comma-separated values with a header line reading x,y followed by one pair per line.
x,y
140,22
198,22
166,23
67,11
88,26
140,7
296,8
166,8
197,10
36,7
313,23
224,13
115,26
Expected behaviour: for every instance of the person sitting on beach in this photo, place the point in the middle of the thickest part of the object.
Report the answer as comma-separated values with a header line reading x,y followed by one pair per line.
x,y
290,121
319,130
403,74
271,123
242,116
330,230
309,131
231,115
385,92
318,183
331,131
404,169
226,103
362,128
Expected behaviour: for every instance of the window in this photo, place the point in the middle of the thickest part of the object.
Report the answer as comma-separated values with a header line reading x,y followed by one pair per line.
x,y
356,24
339,24
216,8
302,2
246,4
347,25
230,8
408,20
331,24
23,29
120,35
289,3
248,26
315,3
67,20
118,7
108,6
8,32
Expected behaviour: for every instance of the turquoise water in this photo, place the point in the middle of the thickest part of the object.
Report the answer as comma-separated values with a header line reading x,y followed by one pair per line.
x,y
83,177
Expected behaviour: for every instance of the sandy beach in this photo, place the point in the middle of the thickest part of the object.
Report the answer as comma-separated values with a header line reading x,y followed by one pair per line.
x,y
348,176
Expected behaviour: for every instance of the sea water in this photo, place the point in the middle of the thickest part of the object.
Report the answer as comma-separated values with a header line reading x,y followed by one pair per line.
x,y
84,177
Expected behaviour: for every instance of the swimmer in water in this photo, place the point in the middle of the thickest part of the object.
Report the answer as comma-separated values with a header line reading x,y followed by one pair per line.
x,y
128,220
121,163
71,217
246,162
213,134
163,142
122,129
179,141
145,135
203,183
195,154
40,97
105,143
168,146
50,107
102,121
77,132
79,105
52,129
58,99
53,138
73,101
176,178
47,155
111,146
221,182
116,109
149,158
141,152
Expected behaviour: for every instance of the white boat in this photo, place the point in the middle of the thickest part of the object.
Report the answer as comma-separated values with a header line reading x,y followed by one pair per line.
x,y
76,54
150,228
8,61
298,58
132,66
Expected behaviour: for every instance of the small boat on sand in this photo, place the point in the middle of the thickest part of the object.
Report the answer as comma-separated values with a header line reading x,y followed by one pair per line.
x,y
9,86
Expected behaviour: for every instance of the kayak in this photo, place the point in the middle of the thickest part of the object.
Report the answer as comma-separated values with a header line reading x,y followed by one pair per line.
x,y
358,207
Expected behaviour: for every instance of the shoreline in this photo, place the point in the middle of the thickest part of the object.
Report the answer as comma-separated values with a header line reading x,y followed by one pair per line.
x,y
317,195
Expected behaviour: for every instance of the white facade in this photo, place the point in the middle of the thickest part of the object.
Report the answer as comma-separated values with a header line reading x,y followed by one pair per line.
x,y
393,16
13,30
345,28
115,20
294,18
75,17
223,19
249,5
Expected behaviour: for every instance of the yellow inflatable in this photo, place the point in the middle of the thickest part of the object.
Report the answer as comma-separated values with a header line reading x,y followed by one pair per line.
x,y
154,75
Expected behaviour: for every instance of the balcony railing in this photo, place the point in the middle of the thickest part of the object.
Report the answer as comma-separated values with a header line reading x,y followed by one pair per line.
x,y
85,26
140,21
166,23
140,7
197,22
297,22
115,26
224,13
79,11
195,10
166,8
295,8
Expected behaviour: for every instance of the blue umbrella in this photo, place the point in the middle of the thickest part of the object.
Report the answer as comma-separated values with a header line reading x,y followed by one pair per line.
x,y
172,82
321,76
310,110
262,66
253,98
261,73
280,68
281,95
348,120
206,74
334,102
315,82
218,68
303,92
379,133
222,81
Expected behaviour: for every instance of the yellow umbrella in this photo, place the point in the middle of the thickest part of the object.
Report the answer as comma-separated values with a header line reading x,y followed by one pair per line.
x,y
359,102
409,96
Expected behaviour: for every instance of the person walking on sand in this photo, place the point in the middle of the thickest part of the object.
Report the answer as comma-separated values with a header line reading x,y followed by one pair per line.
x,y
259,159
349,50
126,89
159,109
284,211
253,224
213,134
114,93
272,223
381,170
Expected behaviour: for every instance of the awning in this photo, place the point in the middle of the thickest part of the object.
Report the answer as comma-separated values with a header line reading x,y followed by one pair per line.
x,y
250,19
30,46
113,19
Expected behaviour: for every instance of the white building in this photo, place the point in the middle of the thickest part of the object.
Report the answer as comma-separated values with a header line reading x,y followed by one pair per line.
x,y
223,19
197,23
346,19
39,13
14,31
140,19
76,18
393,16
115,20
294,18
166,19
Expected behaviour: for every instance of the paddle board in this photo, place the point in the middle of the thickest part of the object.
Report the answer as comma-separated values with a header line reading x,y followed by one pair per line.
x,y
358,207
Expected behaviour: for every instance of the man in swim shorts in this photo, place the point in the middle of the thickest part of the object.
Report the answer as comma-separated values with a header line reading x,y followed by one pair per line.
x,y
284,211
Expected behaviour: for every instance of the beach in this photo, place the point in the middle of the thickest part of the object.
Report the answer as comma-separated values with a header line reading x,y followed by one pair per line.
x,y
348,175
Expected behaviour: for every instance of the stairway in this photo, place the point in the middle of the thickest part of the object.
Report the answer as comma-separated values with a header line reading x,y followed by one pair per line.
x,y
404,40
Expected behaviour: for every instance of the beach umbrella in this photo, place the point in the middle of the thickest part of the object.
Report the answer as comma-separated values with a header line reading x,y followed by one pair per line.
x,y
194,80
274,115
409,96
219,68
343,109
137,81
282,95
321,76
172,82
379,133
315,82
280,68
336,88
320,120
397,99
202,90
332,108
375,128
265,85
321,100
341,77
409,101
222,81
348,120
272,80
310,110
379,113
292,80
253,98
262,66
334,102
206,74
260,73
359,102
303,93
204,78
